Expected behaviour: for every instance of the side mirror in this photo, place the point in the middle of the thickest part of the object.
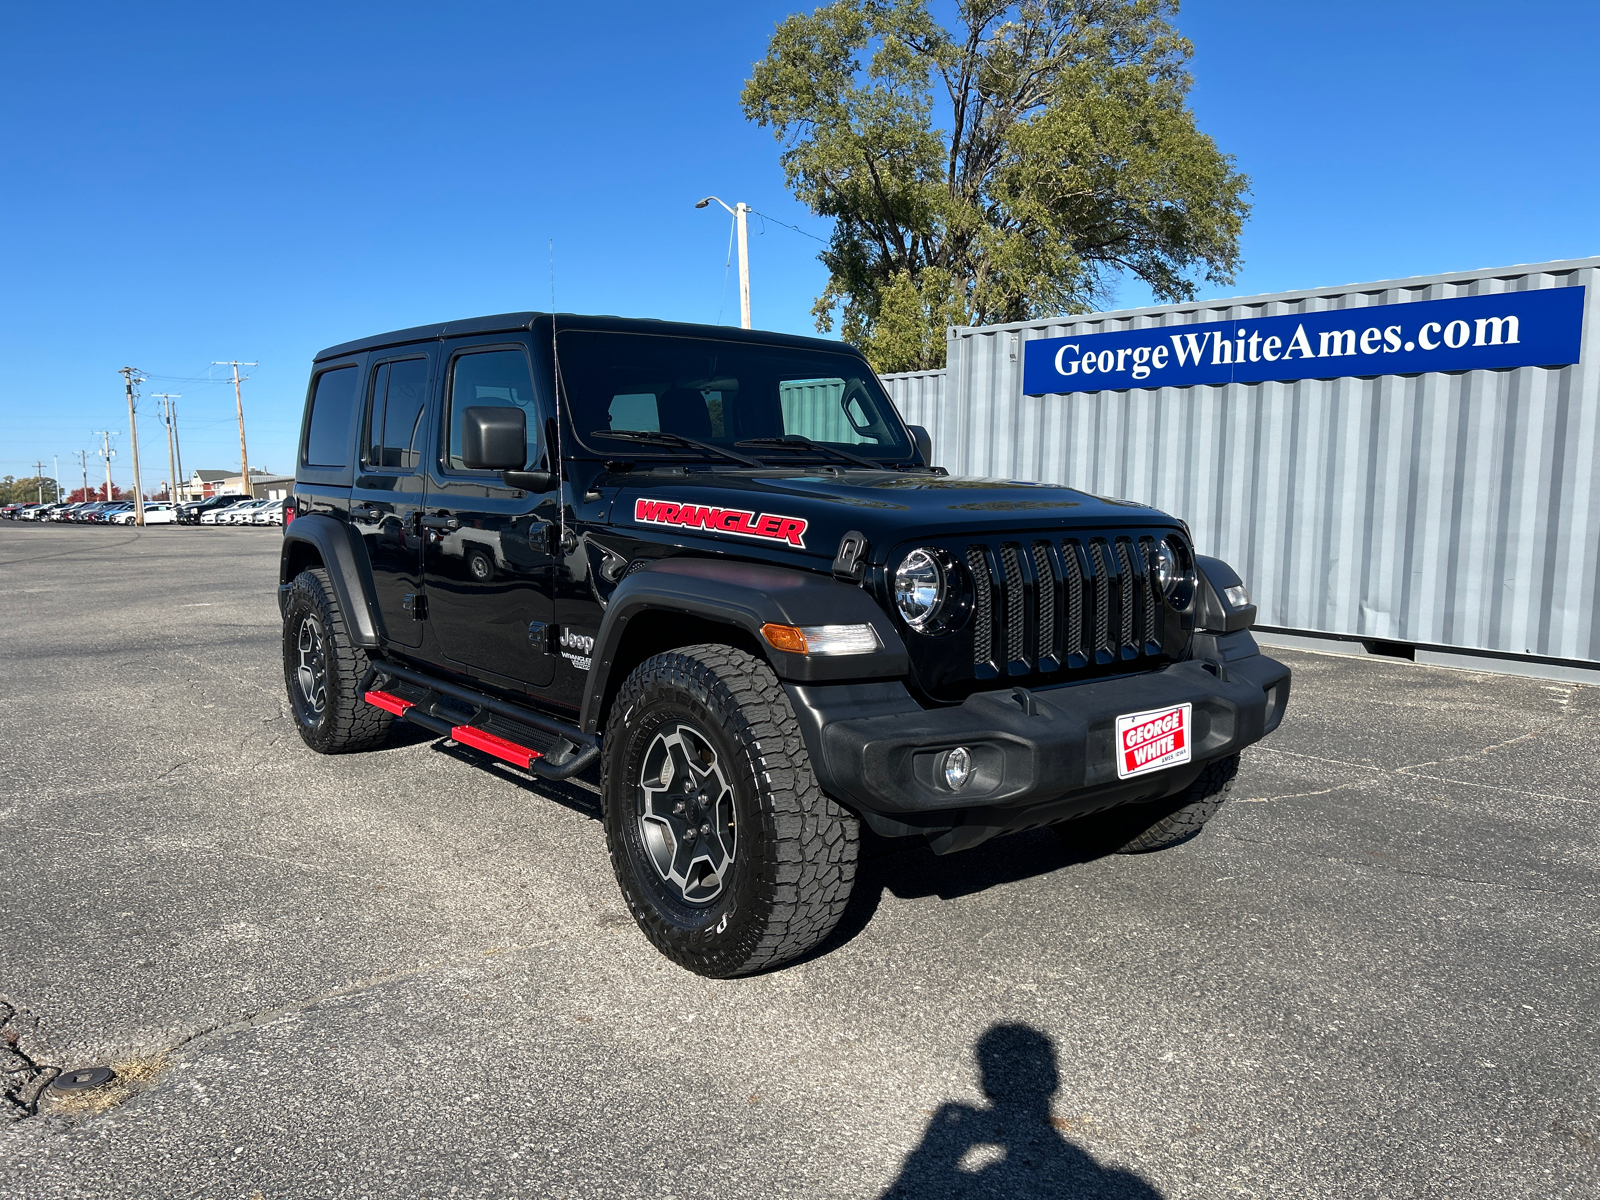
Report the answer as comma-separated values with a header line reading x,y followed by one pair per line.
x,y
494,439
924,443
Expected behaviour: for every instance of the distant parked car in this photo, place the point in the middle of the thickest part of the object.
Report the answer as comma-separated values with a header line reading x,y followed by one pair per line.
x,y
104,515
71,511
241,514
28,511
223,514
9,512
196,514
158,513
270,513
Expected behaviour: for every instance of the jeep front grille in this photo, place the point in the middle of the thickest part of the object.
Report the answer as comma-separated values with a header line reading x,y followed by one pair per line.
x,y
1045,606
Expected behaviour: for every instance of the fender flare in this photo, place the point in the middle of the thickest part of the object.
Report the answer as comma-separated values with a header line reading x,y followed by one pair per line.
x,y
747,596
1212,610
346,567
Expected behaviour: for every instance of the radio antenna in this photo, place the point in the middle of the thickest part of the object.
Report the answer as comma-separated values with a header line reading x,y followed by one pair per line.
x,y
555,370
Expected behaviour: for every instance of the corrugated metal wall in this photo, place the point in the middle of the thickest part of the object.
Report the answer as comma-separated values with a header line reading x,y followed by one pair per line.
x,y
1459,510
919,395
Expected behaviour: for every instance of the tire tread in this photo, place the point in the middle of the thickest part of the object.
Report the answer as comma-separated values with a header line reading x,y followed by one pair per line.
x,y
812,841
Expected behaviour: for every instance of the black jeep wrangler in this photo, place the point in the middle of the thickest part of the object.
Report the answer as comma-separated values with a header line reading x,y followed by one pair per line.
x,y
718,563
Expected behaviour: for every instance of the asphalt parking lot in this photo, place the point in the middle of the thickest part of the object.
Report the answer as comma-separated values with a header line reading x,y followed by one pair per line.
x,y
406,974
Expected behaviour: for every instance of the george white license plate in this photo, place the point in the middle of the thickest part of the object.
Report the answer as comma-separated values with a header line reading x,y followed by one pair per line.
x,y
1149,741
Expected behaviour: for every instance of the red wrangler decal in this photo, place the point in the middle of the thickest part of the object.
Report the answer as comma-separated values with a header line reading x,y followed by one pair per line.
x,y
741,521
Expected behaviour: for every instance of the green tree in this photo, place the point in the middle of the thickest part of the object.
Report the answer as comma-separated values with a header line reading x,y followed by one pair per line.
x,y
1005,170
27,491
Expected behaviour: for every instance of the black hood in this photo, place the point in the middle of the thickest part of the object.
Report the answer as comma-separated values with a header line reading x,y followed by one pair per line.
x,y
751,507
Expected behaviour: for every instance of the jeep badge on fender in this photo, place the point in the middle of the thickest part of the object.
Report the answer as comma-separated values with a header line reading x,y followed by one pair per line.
x,y
716,566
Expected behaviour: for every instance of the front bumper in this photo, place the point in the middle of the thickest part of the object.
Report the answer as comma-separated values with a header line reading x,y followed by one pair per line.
x,y
1039,756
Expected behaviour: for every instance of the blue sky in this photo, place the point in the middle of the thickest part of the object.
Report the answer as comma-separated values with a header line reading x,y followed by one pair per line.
x,y
186,182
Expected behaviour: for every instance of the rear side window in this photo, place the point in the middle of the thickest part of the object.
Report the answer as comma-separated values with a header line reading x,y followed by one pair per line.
x,y
492,377
394,416
328,429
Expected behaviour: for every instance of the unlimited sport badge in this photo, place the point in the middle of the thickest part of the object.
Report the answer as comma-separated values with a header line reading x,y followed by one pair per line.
x,y
1148,741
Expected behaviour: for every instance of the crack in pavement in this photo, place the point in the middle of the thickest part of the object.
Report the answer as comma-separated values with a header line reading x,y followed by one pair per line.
x,y
1414,770
1375,862
22,1078
26,1079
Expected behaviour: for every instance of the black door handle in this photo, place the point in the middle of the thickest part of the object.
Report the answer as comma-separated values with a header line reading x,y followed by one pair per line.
x,y
439,522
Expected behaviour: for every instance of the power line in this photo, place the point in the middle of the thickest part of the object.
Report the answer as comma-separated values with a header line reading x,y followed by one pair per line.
x,y
786,225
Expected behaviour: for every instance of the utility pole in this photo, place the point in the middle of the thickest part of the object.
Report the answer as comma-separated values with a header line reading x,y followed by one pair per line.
x,y
177,442
238,398
132,377
108,454
166,399
83,463
57,457
38,473
740,212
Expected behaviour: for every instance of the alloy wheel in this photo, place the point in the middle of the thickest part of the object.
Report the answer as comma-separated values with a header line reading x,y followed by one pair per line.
x,y
686,813
312,673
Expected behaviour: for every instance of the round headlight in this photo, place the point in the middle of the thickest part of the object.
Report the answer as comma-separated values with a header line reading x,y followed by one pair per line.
x,y
1164,565
1174,571
920,588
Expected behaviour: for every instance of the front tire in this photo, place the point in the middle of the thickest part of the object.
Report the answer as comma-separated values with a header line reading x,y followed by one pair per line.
x,y
323,669
1141,828
729,855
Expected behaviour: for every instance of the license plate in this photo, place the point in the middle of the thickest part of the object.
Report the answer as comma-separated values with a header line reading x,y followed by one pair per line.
x,y
1149,741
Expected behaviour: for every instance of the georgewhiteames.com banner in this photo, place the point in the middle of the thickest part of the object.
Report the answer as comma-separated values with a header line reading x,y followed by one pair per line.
x,y
1541,328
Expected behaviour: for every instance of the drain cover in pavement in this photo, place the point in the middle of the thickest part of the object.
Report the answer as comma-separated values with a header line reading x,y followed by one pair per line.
x,y
88,1077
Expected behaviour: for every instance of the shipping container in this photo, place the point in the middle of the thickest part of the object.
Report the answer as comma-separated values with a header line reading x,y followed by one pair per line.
x,y
1442,510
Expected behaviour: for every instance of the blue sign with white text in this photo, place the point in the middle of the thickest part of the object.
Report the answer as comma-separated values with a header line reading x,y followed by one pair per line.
x,y
1541,328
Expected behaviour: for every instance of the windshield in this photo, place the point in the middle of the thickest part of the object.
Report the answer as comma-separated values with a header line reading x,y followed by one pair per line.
x,y
725,393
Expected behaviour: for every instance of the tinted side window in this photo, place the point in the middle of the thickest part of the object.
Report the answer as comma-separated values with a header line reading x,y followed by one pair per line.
x,y
394,414
332,405
487,377
402,416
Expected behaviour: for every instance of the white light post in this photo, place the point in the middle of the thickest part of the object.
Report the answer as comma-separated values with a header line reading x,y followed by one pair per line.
x,y
739,211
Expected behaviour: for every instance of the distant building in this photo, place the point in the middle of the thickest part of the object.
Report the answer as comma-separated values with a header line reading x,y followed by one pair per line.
x,y
264,485
202,485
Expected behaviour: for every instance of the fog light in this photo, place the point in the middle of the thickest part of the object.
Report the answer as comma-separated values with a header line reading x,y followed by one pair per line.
x,y
1238,595
957,768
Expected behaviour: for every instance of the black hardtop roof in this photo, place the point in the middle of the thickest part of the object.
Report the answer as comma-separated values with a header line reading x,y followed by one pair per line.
x,y
524,321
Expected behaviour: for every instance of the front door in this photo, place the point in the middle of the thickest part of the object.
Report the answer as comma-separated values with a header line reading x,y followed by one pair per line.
x,y
386,501
489,550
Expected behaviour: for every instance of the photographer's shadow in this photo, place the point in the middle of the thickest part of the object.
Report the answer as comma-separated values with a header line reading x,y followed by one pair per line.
x,y
1010,1149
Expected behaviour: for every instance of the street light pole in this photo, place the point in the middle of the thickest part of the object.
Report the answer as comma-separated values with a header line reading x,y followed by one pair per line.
x,y
740,212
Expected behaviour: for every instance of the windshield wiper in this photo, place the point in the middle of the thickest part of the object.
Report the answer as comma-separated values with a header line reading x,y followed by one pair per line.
x,y
799,442
651,437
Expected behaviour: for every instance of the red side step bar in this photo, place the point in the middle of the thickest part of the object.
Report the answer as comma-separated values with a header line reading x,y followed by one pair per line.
x,y
465,734
390,702
497,746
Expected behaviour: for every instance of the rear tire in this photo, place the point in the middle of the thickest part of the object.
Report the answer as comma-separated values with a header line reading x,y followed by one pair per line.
x,y
1141,828
323,669
729,855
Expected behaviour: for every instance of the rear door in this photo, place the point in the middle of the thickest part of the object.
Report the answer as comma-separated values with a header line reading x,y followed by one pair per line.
x,y
489,550
386,500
